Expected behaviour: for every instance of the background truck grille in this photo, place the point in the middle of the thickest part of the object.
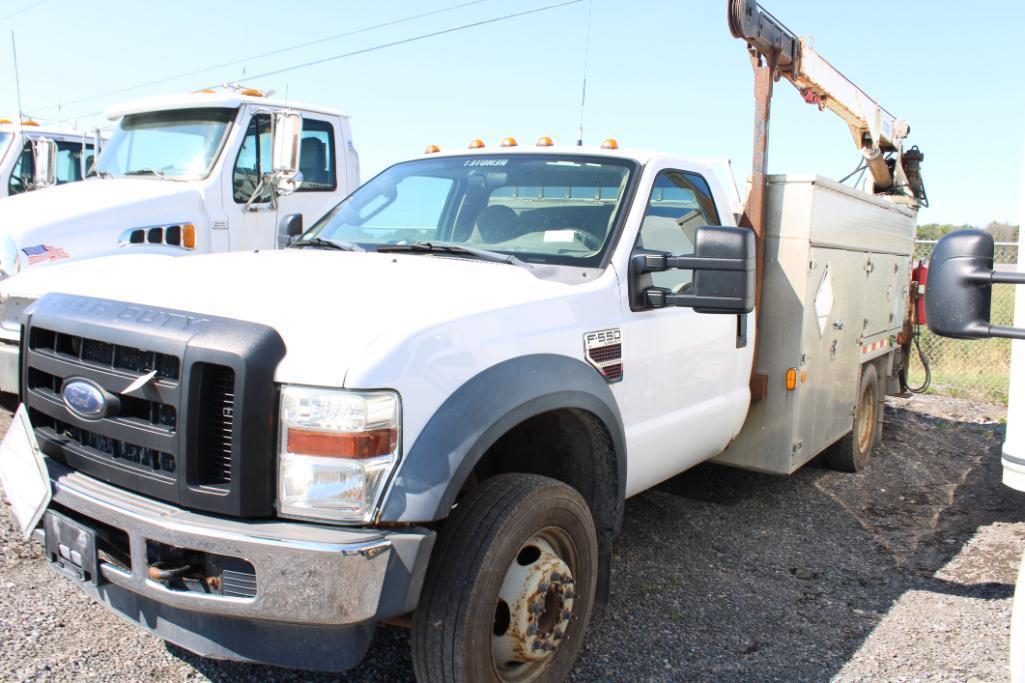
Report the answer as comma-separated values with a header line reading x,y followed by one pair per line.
x,y
201,396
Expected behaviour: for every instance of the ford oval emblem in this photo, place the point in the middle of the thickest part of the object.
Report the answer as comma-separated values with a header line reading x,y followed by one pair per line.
x,y
86,399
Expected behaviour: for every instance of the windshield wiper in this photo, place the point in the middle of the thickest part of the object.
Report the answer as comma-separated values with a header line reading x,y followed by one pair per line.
x,y
145,171
321,243
451,248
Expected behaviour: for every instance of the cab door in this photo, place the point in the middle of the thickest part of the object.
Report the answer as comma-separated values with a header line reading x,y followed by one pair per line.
x,y
254,226
681,390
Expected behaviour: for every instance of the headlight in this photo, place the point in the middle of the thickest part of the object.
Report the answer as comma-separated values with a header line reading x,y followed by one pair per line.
x,y
337,450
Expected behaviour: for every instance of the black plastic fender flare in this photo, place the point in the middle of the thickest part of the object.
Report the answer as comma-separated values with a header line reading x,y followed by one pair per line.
x,y
481,411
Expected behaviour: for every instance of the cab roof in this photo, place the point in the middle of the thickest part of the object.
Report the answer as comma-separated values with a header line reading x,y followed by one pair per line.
x,y
228,99
42,129
641,156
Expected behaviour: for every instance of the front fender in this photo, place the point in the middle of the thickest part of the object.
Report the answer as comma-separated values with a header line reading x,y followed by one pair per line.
x,y
477,414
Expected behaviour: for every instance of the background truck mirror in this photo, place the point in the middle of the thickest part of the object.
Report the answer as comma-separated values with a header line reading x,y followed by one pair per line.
x,y
289,227
724,272
288,127
44,155
961,279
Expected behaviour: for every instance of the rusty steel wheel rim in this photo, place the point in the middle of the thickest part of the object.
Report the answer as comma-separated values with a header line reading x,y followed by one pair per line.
x,y
866,416
534,608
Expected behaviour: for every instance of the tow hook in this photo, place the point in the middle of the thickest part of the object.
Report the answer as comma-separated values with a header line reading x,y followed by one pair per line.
x,y
162,573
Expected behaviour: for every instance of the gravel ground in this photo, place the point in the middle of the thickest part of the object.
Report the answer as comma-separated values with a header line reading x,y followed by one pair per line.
x,y
902,573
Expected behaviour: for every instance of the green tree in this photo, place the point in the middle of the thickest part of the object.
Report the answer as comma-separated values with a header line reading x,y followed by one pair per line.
x,y
1003,232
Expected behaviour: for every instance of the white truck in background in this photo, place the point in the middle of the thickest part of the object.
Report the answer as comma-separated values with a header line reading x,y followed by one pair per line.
x,y
185,174
491,350
34,156
958,301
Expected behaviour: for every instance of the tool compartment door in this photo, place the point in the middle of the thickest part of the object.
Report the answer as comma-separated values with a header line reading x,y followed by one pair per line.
x,y
885,293
830,354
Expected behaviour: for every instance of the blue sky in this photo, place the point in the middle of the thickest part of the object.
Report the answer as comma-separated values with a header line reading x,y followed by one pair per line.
x,y
662,75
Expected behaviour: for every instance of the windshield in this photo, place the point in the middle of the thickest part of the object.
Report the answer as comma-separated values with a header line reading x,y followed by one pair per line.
x,y
541,208
181,144
5,139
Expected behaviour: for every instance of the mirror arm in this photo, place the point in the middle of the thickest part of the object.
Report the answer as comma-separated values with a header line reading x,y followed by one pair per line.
x,y
660,297
1007,278
656,263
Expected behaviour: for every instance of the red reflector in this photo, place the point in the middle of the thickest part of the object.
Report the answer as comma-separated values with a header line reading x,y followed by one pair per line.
x,y
356,445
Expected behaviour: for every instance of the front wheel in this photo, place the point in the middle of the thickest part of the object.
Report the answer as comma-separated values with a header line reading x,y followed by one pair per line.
x,y
511,585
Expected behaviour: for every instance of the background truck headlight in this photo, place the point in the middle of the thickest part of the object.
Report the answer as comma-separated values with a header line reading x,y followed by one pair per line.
x,y
337,450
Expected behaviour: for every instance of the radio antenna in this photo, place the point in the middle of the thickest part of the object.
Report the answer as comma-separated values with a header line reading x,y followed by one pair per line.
x,y
17,81
583,86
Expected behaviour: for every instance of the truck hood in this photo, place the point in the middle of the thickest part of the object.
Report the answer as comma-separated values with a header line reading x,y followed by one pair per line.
x,y
328,305
86,218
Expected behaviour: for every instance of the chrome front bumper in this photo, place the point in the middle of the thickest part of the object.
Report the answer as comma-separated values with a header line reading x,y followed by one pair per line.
x,y
305,573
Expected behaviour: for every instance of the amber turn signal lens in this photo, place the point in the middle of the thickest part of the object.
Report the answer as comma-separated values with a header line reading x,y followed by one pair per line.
x,y
609,143
476,143
189,236
432,149
791,379
509,142
354,445
544,141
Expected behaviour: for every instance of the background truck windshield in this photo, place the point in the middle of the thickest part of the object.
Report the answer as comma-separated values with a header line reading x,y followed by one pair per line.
x,y
543,208
5,139
182,144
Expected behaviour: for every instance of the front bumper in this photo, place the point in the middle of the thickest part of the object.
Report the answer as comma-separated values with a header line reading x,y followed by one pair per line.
x,y
312,581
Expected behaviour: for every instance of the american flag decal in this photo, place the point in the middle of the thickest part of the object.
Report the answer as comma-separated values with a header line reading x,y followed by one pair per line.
x,y
44,252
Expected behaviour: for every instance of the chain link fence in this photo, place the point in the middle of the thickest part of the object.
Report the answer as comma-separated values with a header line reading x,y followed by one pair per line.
x,y
978,369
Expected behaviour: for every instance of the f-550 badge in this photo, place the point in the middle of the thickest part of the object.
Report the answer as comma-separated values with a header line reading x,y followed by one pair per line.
x,y
604,350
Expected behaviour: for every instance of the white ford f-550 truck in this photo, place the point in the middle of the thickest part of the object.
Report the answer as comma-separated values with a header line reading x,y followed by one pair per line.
x,y
481,355
184,174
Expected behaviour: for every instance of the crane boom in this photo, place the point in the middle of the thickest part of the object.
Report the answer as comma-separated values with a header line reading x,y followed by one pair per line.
x,y
875,130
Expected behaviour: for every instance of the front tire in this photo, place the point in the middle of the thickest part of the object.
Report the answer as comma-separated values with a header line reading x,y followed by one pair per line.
x,y
510,589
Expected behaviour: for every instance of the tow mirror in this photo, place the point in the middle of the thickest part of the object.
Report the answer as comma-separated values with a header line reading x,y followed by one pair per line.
x,y
724,273
44,158
289,227
961,279
287,128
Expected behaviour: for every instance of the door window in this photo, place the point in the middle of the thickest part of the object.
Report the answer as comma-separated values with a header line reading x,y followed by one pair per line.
x,y
680,203
317,156
254,159
316,159
69,165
